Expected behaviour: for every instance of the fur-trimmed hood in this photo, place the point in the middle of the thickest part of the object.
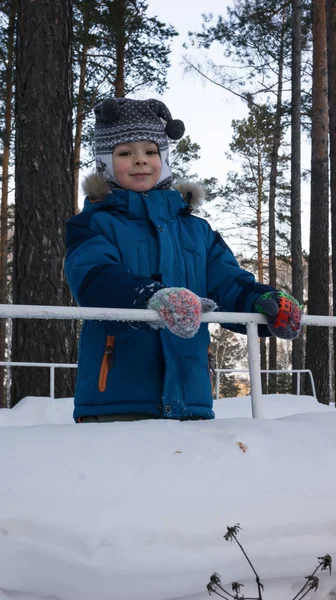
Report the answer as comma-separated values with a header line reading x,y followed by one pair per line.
x,y
96,187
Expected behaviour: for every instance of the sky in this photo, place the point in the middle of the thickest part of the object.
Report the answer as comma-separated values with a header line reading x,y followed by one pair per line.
x,y
206,109
138,511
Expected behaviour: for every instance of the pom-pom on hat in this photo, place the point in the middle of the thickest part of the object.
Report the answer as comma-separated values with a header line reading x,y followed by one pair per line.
x,y
120,120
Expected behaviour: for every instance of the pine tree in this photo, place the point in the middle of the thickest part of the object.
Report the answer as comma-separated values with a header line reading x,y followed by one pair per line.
x,y
296,229
256,38
277,134
44,191
118,50
9,8
253,36
230,352
331,41
247,190
317,348
247,193
183,154
86,30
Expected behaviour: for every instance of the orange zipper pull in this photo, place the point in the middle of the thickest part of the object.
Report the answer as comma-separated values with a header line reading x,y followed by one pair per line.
x,y
107,363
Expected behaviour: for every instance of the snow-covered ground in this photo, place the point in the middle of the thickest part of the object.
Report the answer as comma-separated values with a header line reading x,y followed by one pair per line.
x,y
139,510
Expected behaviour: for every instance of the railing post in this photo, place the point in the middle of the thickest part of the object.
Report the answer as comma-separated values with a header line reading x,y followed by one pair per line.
x,y
254,366
312,382
52,383
217,385
19,311
298,378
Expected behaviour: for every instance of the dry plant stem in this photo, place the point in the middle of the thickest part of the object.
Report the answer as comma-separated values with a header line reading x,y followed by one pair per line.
x,y
215,581
304,587
221,596
312,581
259,584
311,584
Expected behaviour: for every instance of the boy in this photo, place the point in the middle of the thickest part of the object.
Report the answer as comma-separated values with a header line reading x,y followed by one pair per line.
x,y
137,245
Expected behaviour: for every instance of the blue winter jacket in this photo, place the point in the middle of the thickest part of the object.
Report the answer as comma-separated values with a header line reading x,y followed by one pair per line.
x,y
121,248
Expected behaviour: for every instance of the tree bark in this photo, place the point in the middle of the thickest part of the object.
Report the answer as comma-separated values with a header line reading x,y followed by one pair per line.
x,y
85,10
272,352
119,11
317,353
296,233
4,192
331,43
263,353
44,191
259,218
79,122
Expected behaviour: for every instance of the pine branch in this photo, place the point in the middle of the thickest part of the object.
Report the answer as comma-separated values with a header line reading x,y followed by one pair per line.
x,y
245,97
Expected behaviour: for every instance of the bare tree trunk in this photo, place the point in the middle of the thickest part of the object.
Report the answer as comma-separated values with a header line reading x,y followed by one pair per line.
x,y
44,191
86,11
120,16
263,353
331,42
317,354
296,233
4,192
79,122
259,219
272,352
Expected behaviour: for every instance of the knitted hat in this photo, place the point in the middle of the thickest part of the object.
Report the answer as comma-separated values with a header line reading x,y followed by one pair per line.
x,y
120,120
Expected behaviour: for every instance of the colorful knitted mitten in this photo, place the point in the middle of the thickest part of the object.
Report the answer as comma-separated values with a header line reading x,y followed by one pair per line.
x,y
180,310
283,312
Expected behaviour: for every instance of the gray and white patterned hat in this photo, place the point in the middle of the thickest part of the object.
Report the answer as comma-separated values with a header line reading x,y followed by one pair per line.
x,y
120,120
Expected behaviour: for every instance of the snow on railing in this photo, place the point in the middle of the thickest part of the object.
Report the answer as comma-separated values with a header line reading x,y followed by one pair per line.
x,y
251,321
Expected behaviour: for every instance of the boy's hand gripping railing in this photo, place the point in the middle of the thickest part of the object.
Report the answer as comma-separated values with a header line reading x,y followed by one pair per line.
x,y
102,314
117,314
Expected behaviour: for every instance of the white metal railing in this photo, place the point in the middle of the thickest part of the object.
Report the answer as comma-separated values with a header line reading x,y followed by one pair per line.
x,y
298,371
50,366
117,314
53,366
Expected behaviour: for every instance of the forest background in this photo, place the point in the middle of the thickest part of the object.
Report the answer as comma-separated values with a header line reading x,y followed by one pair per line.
x,y
251,81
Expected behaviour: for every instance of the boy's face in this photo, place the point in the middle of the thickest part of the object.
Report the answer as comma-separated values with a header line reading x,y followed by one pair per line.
x,y
137,165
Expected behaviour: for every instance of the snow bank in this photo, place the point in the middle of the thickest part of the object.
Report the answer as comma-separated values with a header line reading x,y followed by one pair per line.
x,y
45,411
138,510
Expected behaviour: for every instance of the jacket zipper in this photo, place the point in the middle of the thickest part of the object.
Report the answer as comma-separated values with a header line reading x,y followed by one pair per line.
x,y
107,362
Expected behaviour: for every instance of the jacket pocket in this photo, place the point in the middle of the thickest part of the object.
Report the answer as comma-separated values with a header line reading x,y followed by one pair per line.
x,y
107,362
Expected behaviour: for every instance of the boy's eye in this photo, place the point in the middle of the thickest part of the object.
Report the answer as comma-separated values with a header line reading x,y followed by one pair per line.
x,y
124,153
152,152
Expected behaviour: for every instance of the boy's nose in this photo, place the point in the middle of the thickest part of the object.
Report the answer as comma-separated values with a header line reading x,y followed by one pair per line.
x,y
141,160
